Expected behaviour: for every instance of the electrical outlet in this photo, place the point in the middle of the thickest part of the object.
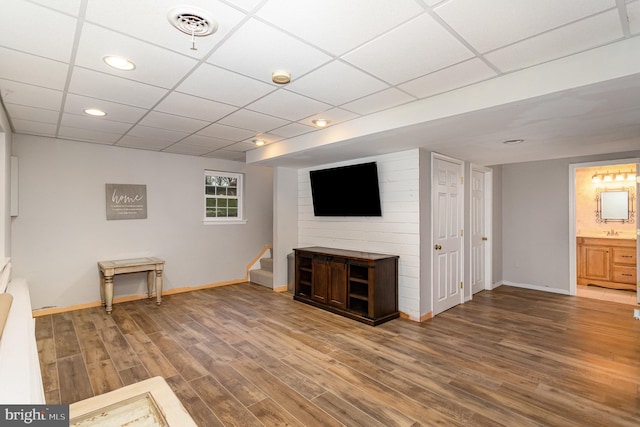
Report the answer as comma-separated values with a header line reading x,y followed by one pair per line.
x,y
636,313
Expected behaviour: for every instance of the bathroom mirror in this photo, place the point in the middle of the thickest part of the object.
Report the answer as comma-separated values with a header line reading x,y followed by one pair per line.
x,y
615,205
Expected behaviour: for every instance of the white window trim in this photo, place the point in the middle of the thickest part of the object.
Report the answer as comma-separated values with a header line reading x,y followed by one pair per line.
x,y
240,219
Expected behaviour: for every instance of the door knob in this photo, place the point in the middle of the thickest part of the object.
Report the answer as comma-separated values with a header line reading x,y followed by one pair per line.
x,y
437,247
485,239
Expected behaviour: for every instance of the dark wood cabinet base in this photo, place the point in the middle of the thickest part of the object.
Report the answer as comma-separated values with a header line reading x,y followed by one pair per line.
x,y
362,286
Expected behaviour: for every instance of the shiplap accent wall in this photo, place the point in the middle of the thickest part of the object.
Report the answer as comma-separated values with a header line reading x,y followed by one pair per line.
x,y
396,232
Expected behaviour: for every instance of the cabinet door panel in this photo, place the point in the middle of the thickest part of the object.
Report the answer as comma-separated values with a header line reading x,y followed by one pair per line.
x,y
596,263
338,284
321,277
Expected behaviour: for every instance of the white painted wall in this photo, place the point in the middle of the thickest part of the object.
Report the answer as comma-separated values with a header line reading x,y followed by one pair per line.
x,y
5,184
285,222
396,232
535,222
62,231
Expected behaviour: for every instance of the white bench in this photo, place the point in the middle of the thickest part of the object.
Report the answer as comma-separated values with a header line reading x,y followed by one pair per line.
x,y
19,364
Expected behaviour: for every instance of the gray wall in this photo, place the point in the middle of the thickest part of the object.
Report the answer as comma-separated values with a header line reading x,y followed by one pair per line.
x,y
496,229
535,221
62,231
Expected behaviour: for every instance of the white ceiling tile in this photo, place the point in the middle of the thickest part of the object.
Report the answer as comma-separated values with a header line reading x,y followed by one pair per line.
x,y
16,111
336,83
293,129
512,20
125,16
153,144
206,142
241,146
172,122
287,105
414,49
29,28
238,156
633,11
34,128
76,104
454,77
187,149
154,65
585,34
67,6
378,101
33,96
111,88
258,122
224,86
229,133
247,5
337,25
156,133
192,106
88,135
335,115
272,50
101,124
26,68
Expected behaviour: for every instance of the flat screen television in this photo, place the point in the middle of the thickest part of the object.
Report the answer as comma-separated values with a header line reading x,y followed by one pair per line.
x,y
346,191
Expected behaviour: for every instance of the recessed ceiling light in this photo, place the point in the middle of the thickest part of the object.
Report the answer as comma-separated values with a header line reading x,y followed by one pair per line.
x,y
281,77
513,141
258,142
95,112
320,122
119,63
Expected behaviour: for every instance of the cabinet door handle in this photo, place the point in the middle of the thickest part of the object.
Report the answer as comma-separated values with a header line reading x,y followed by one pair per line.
x,y
625,274
627,256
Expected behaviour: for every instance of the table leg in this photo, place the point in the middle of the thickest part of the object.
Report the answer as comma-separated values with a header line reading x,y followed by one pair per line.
x,y
158,286
102,300
150,279
108,293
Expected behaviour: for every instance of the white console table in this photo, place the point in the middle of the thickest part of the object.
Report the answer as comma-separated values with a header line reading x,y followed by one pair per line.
x,y
109,269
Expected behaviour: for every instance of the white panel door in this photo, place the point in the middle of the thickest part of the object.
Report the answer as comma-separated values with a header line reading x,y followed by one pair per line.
x,y
478,232
447,234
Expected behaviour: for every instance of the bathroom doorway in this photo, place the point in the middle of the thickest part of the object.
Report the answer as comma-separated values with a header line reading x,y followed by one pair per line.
x,y
604,226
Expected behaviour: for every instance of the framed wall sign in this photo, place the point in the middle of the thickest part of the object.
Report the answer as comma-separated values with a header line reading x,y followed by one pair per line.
x,y
126,201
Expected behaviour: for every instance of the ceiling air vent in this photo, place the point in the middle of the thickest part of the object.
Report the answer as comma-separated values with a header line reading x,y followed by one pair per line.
x,y
192,21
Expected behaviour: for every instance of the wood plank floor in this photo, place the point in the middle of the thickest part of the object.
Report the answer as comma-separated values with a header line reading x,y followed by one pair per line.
x,y
242,355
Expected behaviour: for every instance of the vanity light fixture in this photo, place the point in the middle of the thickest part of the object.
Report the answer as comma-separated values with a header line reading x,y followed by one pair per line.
x,y
119,62
596,178
258,142
320,122
95,112
631,176
281,77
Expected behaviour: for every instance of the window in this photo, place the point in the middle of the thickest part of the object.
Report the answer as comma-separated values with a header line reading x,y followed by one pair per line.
x,y
222,197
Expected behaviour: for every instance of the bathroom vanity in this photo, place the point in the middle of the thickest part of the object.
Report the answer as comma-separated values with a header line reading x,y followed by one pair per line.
x,y
608,262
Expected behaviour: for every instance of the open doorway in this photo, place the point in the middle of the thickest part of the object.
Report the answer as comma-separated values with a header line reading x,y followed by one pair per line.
x,y
604,228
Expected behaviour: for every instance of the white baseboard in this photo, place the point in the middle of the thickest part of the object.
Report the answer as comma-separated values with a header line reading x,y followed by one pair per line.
x,y
536,287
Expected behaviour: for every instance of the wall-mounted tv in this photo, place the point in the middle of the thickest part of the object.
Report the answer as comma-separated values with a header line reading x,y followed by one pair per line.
x,y
346,191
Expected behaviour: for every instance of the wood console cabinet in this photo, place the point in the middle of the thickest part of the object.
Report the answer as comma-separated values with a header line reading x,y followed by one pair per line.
x,y
607,262
360,285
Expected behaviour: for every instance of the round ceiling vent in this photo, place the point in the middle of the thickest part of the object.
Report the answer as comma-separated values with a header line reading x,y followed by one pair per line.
x,y
192,21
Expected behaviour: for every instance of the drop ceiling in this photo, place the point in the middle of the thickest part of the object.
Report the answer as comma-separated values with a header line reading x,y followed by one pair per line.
x,y
454,76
